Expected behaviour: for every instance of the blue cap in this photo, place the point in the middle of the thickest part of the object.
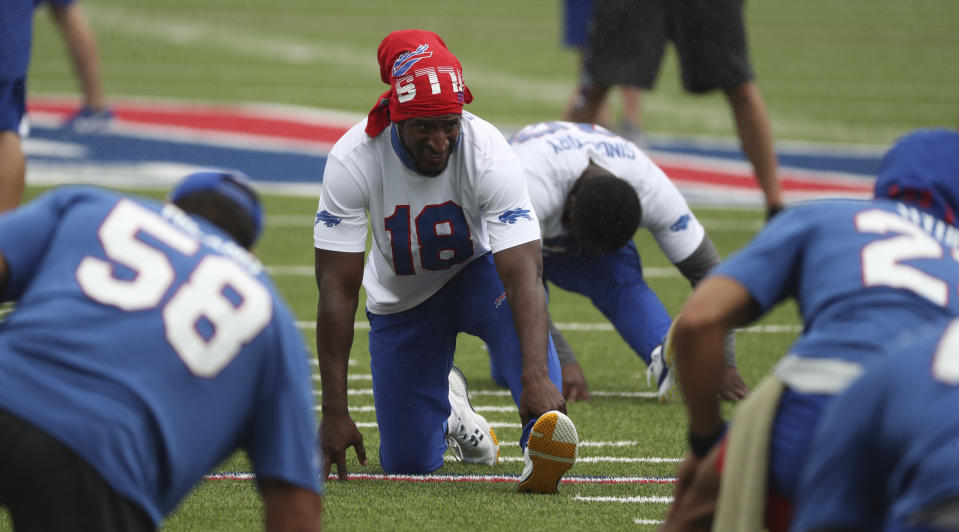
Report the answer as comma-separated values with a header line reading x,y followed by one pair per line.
x,y
922,169
234,185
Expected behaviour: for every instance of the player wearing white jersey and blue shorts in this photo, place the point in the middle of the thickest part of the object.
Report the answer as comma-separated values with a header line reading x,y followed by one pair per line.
x,y
455,248
579,177
863,272
147,345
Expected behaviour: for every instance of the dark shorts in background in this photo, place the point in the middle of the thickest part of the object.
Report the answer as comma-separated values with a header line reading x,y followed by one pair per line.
x,y
627,39
12,104
47,487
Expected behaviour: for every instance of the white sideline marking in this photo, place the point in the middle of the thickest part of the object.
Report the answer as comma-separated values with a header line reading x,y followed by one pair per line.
x,y
434,477
350,377
316,363
664,500
651,272
499,393
603,327
647,522
495,425
593,459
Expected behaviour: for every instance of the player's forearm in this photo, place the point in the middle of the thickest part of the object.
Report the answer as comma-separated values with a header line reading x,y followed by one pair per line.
x,y
700,262
529,318
696,267
334,339
521,270
699,365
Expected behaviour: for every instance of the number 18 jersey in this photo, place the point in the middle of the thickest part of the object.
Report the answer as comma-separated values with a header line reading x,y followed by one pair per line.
x,y
862,272
425,229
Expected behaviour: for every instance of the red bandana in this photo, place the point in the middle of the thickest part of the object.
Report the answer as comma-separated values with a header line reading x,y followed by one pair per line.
x,y
425,79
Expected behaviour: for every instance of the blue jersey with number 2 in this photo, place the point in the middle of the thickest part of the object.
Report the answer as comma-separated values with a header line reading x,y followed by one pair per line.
x,y
861,272
151,344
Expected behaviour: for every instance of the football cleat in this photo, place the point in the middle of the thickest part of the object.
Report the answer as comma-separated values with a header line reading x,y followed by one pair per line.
x,y
662,372
549,453
469,437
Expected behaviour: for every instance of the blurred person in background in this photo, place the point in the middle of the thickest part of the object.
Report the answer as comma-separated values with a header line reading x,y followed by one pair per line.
x,y
625,46
576,19
81,43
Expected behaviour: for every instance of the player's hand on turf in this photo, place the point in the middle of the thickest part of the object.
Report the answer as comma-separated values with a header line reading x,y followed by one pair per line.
x,y
574,384
337,434
539,396
734,388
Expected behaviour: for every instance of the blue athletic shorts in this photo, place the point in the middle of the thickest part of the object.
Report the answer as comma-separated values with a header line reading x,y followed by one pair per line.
x,y
796,420
13,104
411,353
614,283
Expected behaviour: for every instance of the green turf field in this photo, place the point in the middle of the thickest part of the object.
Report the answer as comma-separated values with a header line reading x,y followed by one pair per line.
x,y
623,428
629,435
851,72
855,71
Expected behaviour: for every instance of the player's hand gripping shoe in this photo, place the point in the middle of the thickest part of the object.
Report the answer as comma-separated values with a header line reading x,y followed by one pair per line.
x,y
662,372
468,436
549,453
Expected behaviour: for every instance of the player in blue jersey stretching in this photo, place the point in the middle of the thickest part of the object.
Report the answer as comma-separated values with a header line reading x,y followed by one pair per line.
x,y
862,272
147,346
886,452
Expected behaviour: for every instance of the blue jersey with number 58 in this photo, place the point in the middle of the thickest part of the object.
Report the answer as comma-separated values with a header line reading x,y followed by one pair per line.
x,y
862,271
151,344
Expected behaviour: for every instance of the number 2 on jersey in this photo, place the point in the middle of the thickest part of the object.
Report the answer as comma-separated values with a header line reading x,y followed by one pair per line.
x,y
882,259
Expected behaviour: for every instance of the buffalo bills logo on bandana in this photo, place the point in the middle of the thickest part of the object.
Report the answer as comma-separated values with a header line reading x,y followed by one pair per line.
x,y
405,61
511,217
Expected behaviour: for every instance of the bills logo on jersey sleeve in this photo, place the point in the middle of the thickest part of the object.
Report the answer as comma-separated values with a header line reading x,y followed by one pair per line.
x,y
327,219
681,224
512,216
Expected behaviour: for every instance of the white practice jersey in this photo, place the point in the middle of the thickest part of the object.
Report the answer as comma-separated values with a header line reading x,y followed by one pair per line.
x,y
555,154
425,229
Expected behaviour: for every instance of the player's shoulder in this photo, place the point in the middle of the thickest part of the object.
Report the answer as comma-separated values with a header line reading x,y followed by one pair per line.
x,y
480,133
68,196
355,138
827,209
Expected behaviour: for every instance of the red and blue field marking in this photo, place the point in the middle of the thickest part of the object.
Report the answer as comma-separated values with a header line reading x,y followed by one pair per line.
x,y
152,143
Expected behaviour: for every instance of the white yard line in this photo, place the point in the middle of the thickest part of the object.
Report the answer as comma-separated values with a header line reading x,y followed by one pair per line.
x,y
602,327
664,500
596,459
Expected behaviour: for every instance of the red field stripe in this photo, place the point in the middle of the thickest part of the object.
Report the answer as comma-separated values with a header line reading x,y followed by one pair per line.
x,y
789,183
209,118
463,478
